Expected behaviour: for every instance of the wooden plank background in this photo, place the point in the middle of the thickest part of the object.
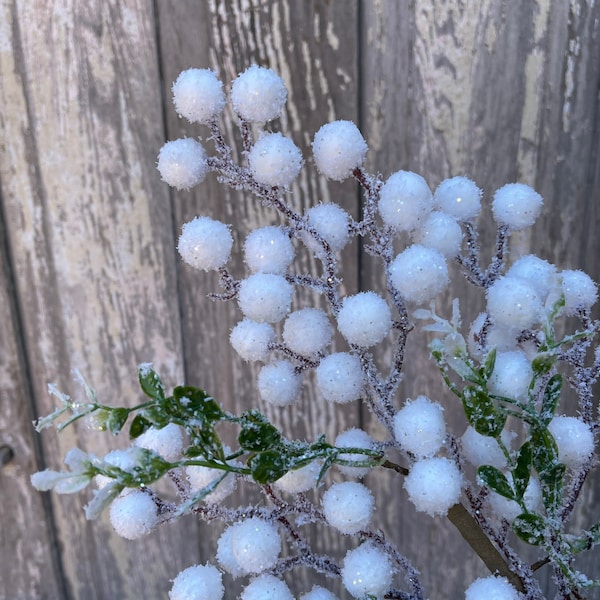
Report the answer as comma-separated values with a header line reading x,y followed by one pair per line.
x,y
498,90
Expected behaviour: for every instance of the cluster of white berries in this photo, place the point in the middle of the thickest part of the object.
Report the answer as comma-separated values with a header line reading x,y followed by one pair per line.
x,y
296,342
521,299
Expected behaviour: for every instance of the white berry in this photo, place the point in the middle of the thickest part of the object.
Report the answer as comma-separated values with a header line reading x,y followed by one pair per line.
x,y
279,384
340,377
200,582
367,571
307,331
258,94
275,160
205,244
265,297
419,273
198,95
339,148
133,514
434,485
348,506
268,250
419,427
182,163
517,206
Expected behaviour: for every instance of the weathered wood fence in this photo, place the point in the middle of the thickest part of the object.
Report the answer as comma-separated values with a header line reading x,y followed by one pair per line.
x,y
499,90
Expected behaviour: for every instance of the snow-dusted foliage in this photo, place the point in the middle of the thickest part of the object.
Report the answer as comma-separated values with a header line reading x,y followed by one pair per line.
x,y
500,449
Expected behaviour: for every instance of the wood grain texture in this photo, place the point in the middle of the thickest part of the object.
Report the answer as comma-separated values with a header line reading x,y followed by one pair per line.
x,y
93,262
486,90
31,565
497,90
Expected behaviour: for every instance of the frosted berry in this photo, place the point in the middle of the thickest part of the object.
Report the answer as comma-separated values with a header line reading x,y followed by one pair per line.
x,y
166,442
491,588
434,485
307,331
318,593
205,244
265,297
225,556
133,515
538,273
332,223
266,587
510,509
516,205
364,319
579,290
251,339
482,449
198,95
279,384
574,439
440,232
182,163
513,303
256,544
367,571
405,201
348,506
258,94
458,197
339,148
200,477
300,480
511,376
354,438
268,250
200,582
340,377
275,160
419,273
419,427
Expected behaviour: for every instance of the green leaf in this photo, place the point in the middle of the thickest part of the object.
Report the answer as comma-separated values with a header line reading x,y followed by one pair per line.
x,y
522,471
488,365
544,450
551,398
208,440
481,412
326,466
116,419
149,469
150,382
595,534
138,426
268,466
257,433
193,452
495,480
552,482
530,527
192,401
542,364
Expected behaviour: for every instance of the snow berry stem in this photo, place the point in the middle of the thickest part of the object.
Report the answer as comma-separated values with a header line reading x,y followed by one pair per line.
x,y
371,185
222,147
497,265
470,262
307,557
